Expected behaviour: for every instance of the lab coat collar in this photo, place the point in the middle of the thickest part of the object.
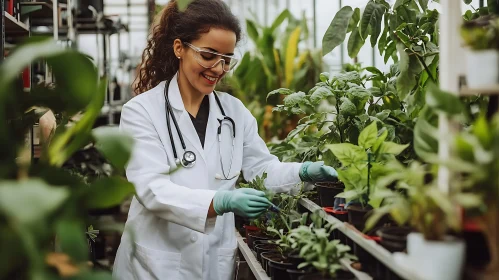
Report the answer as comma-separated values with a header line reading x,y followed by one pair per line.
x,y
174,94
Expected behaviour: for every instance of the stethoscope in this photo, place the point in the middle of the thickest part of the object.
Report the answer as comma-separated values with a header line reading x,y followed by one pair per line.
x,y
189,158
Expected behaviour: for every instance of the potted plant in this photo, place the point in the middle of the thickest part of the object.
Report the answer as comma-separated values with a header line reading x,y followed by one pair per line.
x,y
361,165
319,252
475,166
481,36
415,200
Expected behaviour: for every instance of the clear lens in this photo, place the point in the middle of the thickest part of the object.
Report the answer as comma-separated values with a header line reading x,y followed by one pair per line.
x,y
209,59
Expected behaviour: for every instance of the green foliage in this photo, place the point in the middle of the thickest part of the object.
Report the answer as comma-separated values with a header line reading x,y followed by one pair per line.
x,y
313,244
43,200
481,33
361,165
276,62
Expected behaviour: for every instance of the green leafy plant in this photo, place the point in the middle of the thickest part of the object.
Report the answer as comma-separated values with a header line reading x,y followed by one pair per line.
x,y
481,33
414,199
276,62
314,246
43,200
362,163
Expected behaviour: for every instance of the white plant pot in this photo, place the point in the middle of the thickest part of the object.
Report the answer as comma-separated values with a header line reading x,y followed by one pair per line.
x,y
482,68
436,260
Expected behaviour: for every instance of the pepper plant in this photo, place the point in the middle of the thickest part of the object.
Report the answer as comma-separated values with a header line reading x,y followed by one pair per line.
x,y
362,163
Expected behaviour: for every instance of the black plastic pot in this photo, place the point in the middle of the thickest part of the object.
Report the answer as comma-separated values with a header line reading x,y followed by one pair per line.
x,y
278,269
340,275
265,257
327,191
357,216
295,274
394,239
264,248
342,216
295,259
253,236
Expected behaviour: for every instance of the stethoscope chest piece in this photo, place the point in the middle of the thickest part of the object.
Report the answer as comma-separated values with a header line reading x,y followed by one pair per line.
x,y
188,160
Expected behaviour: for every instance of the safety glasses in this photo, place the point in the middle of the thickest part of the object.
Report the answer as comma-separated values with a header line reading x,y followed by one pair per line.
x,y
209,59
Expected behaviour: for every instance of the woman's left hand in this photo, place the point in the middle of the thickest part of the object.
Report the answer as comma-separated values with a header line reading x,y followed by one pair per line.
x,y
317,172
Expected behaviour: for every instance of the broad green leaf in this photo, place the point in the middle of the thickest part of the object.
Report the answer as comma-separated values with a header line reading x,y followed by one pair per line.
x,y
291,51
71,238
368,136
296,131
280,19
376,21
425,140
347,153
482,131
182,4
30,200
400,3
443,101
401,212
349,195
108,192
355,43
379,141
347,108
116,146
369,12
423,4
390,49
354,20
375,216
469,200
374,70
383,115
337,30
252,31
320,94
392,148
282,91
409,67
383,40
294,99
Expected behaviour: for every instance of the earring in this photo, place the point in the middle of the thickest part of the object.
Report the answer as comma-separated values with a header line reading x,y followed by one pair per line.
x,y
178,57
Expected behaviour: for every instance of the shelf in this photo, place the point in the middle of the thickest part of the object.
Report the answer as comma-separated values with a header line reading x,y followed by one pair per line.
x,y
370,246
493,90
14,27
45,9
253,264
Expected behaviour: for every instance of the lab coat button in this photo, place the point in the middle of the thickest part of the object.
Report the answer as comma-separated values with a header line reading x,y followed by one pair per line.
x,y
194,238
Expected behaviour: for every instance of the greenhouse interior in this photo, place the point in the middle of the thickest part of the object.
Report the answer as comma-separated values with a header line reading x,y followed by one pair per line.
x,y
332,139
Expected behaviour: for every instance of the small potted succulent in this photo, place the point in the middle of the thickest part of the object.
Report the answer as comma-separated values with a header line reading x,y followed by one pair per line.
x,y
481,36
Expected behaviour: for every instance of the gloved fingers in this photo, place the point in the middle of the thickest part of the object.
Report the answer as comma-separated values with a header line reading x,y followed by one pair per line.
x,y
252,192
262,200
258,204
253,215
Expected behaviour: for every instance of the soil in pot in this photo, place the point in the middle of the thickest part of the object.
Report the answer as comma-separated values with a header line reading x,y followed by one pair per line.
x,y
394,239
327,191
257,235
340,275
265,257
265,248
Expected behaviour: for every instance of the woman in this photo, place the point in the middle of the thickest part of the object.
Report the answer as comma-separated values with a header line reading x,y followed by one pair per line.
x,y
181,222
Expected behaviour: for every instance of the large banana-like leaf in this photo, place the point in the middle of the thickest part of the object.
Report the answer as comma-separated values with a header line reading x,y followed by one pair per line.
x,y
291,52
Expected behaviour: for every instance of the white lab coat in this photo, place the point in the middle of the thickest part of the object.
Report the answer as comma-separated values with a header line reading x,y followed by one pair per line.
x,y
169,229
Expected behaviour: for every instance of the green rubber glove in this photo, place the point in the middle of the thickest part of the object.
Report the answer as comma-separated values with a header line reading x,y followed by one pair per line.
x,y
244,202
317,172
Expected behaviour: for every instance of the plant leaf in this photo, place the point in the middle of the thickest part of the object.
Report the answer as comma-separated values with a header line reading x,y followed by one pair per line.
x,y
348,153
252,31
409,67
115,145
368,136
108,192
30,200
291,51
369,12
355,43
337,30
392,148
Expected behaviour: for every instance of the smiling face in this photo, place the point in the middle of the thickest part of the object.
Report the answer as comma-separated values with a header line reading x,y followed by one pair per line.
x,y
195,78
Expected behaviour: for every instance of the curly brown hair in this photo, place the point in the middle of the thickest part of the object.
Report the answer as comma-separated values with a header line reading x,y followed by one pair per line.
x,y
159,62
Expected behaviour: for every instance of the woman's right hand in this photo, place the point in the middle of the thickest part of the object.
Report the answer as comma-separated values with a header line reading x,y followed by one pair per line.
x,y
245,202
